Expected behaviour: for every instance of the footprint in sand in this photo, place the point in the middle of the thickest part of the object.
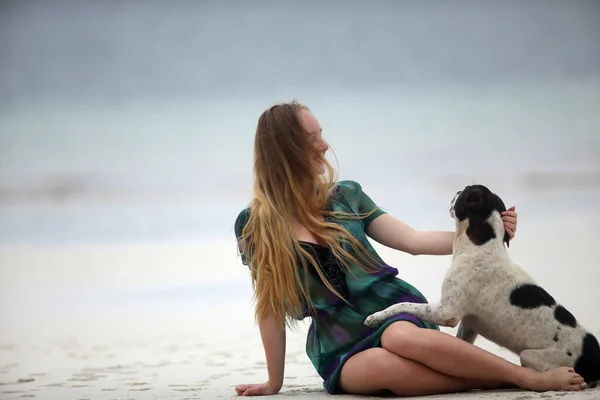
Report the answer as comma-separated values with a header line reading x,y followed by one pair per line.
x,y
85,377
128,372
221,354
215,364
60,384
304,390
160,364
116,367
88,370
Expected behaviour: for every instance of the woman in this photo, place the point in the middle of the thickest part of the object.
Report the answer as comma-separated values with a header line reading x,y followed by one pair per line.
x,y
304,238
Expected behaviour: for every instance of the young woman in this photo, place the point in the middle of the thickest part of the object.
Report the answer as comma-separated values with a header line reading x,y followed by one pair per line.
x,y
304,237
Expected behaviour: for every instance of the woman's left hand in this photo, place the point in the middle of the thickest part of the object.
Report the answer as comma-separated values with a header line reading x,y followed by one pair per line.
x,y
509,217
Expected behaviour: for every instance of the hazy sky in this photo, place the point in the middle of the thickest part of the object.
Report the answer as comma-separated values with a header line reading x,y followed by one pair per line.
x,y
121,50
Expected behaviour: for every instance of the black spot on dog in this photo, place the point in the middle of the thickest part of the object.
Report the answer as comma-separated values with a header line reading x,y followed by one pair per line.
x,y
588,364
563,316
569,353
555,338
481,233
530,296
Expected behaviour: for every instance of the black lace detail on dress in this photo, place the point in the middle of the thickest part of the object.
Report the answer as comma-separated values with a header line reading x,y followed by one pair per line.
x,y
330,267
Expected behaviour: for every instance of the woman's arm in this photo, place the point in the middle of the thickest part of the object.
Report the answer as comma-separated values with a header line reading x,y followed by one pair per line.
x,y
273,338
391,232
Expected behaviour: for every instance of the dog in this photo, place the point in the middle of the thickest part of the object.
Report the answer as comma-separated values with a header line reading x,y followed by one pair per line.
x,y
491,296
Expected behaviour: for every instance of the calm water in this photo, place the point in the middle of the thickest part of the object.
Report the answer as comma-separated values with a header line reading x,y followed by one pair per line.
x,y
190,182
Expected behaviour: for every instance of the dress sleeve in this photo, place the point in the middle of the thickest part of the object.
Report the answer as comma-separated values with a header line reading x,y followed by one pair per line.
x,y
240,223
360,202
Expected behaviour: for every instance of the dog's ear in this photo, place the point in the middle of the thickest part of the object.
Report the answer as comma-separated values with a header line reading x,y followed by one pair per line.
x,y
506,239
475,201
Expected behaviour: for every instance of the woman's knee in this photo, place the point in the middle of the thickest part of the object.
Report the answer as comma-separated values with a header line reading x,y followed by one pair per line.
x,y
402,338
367,372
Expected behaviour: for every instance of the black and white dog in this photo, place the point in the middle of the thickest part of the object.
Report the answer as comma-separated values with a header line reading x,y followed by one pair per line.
x,y
498,300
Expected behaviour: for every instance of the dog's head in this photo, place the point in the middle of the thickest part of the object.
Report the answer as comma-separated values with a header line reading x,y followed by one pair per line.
x,y
482,210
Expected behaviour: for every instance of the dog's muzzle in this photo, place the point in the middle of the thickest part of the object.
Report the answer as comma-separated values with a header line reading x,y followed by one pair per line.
x,y
453,202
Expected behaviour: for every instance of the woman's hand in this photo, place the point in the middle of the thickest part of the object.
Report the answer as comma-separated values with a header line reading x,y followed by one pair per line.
x,y
509,217
263,389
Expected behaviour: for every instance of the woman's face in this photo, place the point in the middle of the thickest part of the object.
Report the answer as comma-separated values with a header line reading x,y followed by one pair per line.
x,y
312,126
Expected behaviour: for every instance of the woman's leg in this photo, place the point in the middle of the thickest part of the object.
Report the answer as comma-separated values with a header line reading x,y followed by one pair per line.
x,y
374,370
452,356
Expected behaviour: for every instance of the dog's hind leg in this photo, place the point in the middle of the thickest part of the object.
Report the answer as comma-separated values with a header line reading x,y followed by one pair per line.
x,y
465,332
544,359
434,313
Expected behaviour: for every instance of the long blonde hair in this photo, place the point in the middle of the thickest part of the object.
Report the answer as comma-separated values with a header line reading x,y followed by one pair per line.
x,y
288,187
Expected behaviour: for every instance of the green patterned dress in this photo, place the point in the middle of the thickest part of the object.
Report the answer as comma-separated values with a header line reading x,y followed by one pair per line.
x,y
337,331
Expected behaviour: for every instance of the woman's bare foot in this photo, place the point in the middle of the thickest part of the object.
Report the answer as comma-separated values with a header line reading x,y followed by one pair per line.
x,y
562,378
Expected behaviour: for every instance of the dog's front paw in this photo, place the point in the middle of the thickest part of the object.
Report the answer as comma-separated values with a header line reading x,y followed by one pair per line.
x,y
374,320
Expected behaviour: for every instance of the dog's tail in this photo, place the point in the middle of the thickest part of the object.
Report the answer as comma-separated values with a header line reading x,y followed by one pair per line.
x,y
588,364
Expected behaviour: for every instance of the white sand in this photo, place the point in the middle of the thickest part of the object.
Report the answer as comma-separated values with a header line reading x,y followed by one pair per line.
x,y
97,322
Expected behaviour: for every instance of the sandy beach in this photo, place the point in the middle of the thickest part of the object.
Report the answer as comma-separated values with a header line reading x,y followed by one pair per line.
x,y
156,321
